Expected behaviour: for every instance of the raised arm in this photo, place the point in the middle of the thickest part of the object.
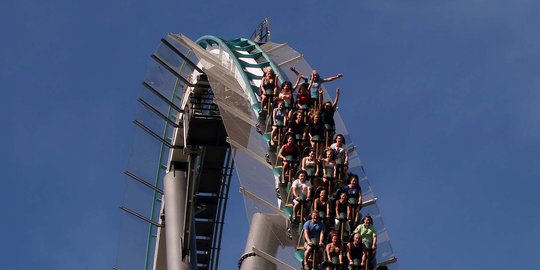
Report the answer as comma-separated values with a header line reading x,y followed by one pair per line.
x,y
298,74
311,83
277,86
336,99
329,79
297,83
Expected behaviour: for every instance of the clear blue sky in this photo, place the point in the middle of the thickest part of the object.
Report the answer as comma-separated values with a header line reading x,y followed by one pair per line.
x,y
442,99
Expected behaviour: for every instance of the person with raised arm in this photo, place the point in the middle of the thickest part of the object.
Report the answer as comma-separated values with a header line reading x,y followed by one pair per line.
x,y
315,82
327,117
303,99
286,95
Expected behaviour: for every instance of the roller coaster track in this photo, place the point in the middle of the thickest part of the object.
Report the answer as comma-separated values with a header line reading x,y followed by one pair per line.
x,y
205,97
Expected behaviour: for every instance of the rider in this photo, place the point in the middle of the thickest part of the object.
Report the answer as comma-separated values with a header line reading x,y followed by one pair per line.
x,y
369,237
315,82
301,190
322,206
327,117
333,251
354,251
289,153
328,165
315,132
311,165
342,214
297,126
286,95
340,151
314,231
279,117
354,195
269,86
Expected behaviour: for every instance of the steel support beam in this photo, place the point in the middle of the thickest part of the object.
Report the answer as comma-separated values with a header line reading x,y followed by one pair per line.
x,y
175,191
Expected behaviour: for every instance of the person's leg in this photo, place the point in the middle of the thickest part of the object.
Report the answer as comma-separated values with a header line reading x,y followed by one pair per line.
x,y
295,210
307,253
364,256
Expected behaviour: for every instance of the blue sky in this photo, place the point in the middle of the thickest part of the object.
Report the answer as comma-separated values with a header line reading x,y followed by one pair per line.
x,y
441,97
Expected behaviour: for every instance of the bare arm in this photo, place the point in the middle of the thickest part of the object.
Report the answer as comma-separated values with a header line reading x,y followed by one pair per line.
x,y
294,191
336,99
311,83
329,79
306,237
280,154
327,209
348,212
277,87
296,83
298,74
323,167
261,87
328,250
360,200
337,210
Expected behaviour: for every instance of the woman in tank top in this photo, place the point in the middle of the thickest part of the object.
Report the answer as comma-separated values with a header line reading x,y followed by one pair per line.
x,y
311,165
268,87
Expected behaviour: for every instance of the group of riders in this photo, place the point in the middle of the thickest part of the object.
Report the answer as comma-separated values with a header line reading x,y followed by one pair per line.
x,y
314,160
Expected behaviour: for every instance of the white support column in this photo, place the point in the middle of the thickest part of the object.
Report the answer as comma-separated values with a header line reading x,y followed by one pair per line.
x,y
175,190
261,238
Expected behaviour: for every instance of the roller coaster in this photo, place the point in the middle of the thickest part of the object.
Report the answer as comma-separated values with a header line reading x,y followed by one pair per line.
x,y
202,120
